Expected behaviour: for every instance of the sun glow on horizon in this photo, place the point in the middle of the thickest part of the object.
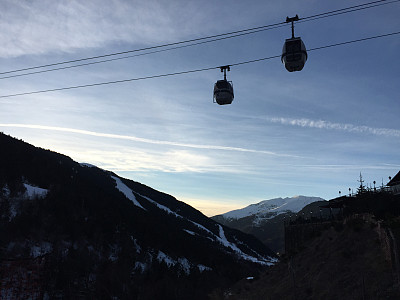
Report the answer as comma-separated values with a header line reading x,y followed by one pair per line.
x,y
212,208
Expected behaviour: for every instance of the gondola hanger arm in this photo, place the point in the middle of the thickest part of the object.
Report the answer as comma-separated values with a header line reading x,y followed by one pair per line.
x,y
224,68
292,20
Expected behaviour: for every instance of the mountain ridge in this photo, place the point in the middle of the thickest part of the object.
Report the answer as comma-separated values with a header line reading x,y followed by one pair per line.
x,y
86,225
273,206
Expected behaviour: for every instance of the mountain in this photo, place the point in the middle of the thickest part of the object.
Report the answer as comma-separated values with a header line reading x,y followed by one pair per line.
x,y
70,230
265,219
271,208
352,253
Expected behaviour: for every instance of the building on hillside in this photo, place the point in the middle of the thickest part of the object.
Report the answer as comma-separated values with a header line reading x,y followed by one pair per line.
x,y
394,184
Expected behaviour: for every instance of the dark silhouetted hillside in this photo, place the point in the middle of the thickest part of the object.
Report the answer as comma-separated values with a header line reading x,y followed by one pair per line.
x,y
354,255
71,231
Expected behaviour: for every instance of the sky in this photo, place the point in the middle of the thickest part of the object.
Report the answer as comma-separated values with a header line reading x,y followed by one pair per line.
x,y
302,133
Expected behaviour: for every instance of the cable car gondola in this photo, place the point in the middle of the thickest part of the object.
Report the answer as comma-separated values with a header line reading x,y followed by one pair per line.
x,y
294,54
223,89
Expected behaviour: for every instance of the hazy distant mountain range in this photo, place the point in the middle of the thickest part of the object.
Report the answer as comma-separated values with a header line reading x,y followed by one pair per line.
x,y
84,232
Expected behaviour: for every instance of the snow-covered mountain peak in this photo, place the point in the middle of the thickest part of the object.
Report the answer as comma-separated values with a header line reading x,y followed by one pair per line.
x,y
273,207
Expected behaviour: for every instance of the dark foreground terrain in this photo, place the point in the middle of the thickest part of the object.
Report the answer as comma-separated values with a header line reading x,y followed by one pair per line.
x,y
355,258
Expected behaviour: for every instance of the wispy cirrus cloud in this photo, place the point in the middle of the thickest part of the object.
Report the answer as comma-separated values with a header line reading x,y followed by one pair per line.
x,y
320,124
131,160
144,140
341,167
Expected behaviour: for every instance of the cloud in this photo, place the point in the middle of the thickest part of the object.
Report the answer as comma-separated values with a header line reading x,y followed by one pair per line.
x,y
121,157
347,167
37,27
143,140
320,124
43,26
128,160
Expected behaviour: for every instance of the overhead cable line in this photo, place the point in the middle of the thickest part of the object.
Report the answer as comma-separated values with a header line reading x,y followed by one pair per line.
x,y
354,41
196,41
148,48
140,54
191,71
349,9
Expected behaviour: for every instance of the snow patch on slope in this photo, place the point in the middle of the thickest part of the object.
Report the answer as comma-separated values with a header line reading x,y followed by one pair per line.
x,y
190,232
123,188
140,266
259,259
160,206
213,237
31,192
203,268
41,249
34,191
87,165
6,191
183,263
221,238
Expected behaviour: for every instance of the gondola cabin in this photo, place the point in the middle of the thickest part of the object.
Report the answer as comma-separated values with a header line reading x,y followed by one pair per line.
x,y
223,92
294,54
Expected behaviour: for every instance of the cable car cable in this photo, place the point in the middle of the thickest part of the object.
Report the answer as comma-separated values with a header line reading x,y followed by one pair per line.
x,y
354,41
332,14
306,19
110,82
321,47
243,32
351,9
147,48
141,54
191,71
